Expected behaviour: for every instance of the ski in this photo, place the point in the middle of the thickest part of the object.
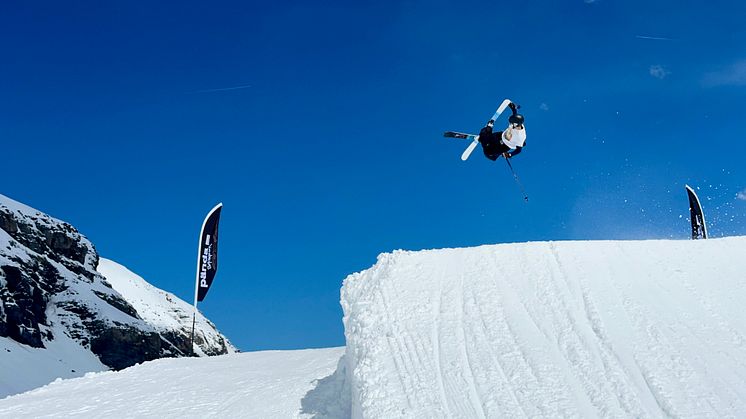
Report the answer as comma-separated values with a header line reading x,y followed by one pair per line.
x,y
465,155
463,135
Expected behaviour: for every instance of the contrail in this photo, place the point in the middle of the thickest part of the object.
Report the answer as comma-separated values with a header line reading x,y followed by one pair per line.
x,y
654,38
222,89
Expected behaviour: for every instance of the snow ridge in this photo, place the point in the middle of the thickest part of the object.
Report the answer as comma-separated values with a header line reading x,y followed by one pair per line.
x,y
550,329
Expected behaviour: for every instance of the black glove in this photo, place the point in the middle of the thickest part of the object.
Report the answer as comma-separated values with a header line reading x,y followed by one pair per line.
x,y
513,107
507,155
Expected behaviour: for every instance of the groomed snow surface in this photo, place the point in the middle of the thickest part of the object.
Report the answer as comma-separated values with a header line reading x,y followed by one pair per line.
x,y
23,368
272,384
565,329
548,329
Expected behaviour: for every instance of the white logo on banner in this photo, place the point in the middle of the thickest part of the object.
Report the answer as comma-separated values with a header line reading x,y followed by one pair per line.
x,y
206,263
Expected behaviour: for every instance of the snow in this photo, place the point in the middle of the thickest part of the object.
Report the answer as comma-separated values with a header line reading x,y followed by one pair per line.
x,y
23,368
271,384
547,329
37,217
10,250
550,329
160,309
25,210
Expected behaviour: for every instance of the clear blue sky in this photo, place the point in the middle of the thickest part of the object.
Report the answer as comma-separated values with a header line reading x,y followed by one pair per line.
x,y
119,118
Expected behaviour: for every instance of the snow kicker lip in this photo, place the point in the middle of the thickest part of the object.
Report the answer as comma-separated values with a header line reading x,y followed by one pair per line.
x,y
550,329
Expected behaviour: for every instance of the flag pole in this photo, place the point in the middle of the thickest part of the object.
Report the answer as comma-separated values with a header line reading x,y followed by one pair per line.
x,y
196,283
196,289
194,319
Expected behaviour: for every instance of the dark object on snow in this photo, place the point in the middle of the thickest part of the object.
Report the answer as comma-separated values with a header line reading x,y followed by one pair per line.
x,y
699,229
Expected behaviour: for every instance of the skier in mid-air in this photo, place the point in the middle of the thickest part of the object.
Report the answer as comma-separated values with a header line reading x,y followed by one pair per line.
x,y
506,143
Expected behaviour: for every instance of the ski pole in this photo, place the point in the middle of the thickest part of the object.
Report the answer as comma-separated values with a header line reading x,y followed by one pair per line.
x,y
518,181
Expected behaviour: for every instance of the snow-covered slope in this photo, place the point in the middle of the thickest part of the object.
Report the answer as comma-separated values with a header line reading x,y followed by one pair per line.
x,y
556,329
275,384
23,367
164,311
59,316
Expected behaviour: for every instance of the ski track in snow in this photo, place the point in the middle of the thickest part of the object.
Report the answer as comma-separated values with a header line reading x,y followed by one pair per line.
x,y
462,329
435,342
641,329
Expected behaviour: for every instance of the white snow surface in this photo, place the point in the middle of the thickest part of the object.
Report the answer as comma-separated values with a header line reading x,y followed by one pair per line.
x,y
160,309
550,329
23,368
642,329
271,384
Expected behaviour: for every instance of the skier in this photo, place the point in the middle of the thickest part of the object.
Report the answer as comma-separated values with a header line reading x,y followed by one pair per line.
x,y
507,143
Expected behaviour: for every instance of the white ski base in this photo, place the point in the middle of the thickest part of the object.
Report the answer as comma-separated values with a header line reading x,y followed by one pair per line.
x,y
465,155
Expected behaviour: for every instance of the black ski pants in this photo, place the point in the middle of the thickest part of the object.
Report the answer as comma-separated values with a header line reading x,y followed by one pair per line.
x,y
492,145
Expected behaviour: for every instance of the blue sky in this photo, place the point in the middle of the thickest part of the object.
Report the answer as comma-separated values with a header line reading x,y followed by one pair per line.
x,y
319,128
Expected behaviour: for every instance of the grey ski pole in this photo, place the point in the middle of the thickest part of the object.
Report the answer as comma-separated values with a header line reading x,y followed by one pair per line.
x,y
518,181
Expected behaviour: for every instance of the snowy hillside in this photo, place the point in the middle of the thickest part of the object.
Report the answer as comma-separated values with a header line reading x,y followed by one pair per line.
x,y
565,329
60,317
267,385
168,314
23,367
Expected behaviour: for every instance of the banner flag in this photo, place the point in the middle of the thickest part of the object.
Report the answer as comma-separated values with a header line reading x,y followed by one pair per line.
x,y
699,229
207,258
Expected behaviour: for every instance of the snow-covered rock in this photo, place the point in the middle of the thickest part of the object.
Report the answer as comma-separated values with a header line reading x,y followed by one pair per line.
x,y
552,329
165,312
54,303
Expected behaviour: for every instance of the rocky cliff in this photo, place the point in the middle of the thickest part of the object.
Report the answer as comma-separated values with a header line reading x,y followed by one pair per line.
x,y
50,285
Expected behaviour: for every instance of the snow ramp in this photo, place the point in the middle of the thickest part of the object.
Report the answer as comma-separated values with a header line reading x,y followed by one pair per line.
x,y
550,329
